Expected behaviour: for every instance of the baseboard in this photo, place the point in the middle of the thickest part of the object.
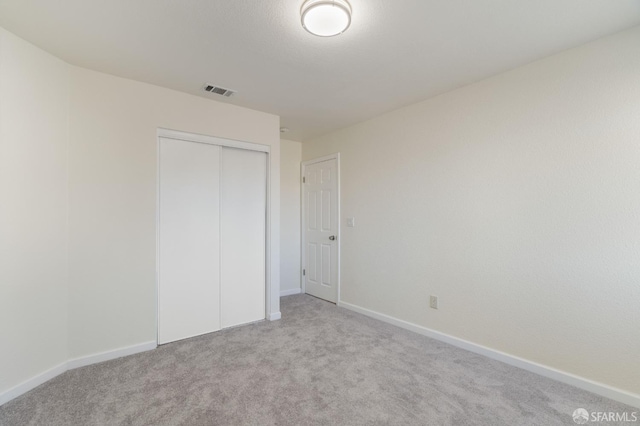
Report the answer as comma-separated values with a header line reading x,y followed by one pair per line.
x,y
275,316
540,369
31,383
290,292
41,378
109,355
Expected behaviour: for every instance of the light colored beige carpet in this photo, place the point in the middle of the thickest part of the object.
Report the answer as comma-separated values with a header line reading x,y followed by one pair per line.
x,y
319,365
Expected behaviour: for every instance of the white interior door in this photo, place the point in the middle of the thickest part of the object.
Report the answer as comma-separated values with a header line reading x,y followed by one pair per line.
x,y
242,227
321,229
189,240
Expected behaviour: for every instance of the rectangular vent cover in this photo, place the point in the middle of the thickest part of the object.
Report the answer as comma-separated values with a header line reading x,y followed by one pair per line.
x,y
218,90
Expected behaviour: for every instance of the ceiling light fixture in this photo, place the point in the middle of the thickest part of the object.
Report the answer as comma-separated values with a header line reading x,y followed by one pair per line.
x,y
326,18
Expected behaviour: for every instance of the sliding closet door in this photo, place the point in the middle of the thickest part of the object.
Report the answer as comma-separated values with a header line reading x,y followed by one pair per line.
x,y
189,240
242,228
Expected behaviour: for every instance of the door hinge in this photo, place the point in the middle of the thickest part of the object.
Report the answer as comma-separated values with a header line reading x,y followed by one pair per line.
x,y
304,179
304,272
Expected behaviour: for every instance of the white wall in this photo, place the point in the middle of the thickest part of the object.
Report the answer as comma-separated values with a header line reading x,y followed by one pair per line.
x,y
112,199
290,157
78,208
516,200
33,211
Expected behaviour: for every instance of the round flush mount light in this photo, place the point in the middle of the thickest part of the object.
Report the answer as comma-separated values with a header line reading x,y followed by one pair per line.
x,y
326,18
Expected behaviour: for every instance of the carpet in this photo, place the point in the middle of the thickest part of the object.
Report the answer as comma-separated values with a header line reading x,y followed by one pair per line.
x,y
319,365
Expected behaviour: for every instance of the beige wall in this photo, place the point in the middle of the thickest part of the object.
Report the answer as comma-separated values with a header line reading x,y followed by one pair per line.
x,y
290,155
78,207
516,201
34,90
112,199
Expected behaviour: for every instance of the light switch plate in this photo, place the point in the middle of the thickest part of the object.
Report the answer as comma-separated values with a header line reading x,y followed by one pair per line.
x,y
351,222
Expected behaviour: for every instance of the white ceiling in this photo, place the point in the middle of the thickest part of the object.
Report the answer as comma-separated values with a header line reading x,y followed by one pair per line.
x,y
395,53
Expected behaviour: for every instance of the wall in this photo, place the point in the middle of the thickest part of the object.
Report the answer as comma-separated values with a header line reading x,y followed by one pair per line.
x,y
290,157
33,212
78,209
515,200
112,199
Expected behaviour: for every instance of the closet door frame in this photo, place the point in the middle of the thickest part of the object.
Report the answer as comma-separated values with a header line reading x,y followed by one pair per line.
x,y
222,142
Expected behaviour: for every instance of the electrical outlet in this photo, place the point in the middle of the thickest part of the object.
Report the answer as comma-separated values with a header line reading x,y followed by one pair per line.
x,y
433,302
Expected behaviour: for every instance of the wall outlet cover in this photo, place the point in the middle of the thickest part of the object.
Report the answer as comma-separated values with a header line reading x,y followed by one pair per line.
x,y
433,302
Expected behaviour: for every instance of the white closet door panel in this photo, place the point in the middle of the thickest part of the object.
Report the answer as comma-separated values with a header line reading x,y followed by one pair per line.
x,y
189,240
242,228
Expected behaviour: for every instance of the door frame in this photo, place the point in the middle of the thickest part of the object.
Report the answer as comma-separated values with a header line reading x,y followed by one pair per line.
x,y
303,237
229,143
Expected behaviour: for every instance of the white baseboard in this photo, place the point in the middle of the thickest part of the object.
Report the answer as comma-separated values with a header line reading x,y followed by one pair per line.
x,y
31,383
290,292
275,316
601,389
109,355
35,381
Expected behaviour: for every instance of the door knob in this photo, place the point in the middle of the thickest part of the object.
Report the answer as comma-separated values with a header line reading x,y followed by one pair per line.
x,y
333,237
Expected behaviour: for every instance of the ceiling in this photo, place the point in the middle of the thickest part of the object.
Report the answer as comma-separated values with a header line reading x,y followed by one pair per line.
x,y
395,53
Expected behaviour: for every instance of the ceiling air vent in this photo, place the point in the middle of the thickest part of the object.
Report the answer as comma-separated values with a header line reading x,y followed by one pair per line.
x,y
218,90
